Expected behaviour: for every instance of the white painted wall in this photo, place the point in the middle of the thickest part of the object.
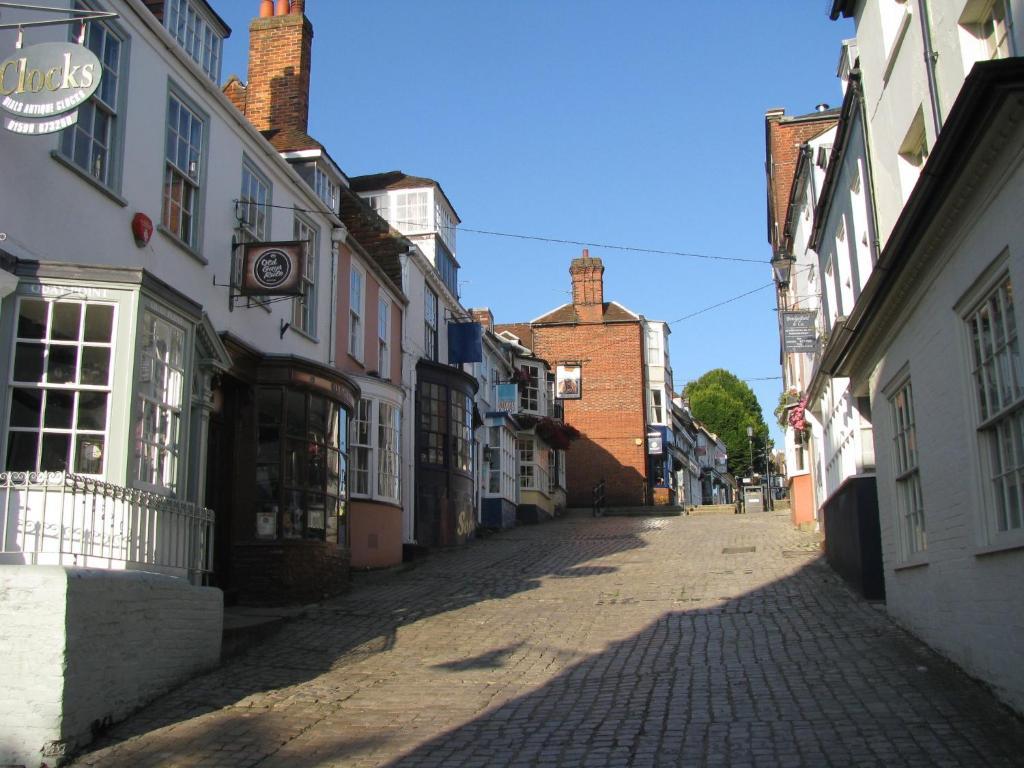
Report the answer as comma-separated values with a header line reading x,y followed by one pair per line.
x,y
417,274
92,228
896,80
962,595
84,647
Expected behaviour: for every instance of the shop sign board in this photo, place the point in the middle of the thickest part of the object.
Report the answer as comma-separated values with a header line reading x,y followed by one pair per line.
x,y
568,382
272,269
42,86
798,331
508,397
655,442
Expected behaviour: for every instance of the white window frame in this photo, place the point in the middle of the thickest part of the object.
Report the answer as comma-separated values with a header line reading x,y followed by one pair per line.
x,y
431,337
412,211
160,422
361,449
94,145
255,202
194,31
380,204
304,307
656,406
526,450
182,218
356,312
910,522
384,337
529,390
325,187
996,381
74,387
984,31
387,452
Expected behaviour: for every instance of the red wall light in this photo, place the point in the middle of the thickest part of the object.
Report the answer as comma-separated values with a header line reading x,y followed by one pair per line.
x,y
142,229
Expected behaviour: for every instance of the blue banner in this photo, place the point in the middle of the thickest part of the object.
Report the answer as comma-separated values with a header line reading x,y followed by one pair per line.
x,y
465,343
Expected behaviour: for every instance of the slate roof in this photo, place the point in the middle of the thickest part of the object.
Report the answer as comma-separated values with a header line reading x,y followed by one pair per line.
x,y
383,244
522,331
611,312
291,140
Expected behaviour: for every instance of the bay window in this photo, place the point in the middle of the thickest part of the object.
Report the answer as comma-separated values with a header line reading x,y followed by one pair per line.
x,y
60,386
376,450
301,464
160,381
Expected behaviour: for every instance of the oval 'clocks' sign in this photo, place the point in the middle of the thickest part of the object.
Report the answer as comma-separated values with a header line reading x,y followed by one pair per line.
x,y
41,86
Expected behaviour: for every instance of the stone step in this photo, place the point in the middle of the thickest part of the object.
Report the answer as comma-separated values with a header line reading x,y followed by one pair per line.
x,y
713,509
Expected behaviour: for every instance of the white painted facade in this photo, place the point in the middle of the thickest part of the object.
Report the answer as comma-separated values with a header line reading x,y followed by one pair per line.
x,y
191,281
421,283
949,499
804,293
891,43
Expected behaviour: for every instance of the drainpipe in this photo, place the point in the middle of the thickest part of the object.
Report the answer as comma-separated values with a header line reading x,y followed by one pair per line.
x,y
1009,28
876,243
930,57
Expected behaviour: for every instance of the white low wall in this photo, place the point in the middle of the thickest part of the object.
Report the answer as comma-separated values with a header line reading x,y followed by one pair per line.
x,y
82,648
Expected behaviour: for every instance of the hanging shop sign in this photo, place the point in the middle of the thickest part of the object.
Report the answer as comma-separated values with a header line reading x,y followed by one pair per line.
x,y
798,332
655,442
42,86
508,398
568,380
465,343
272,269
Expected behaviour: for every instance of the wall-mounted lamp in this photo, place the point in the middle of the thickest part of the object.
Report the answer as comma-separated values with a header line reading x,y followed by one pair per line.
x,y
142,229
782,268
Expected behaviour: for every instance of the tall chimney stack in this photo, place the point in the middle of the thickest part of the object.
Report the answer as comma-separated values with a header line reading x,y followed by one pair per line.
x,y
588,287
280,52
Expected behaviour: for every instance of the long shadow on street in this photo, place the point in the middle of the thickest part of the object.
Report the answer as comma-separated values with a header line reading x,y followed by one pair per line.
x,y
795,671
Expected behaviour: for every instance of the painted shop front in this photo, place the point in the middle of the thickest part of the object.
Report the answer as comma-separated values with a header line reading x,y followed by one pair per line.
x,y
444,514
277,468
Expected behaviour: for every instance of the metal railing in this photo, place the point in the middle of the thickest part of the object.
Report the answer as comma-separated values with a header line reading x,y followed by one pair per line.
x,y
58,518
597,499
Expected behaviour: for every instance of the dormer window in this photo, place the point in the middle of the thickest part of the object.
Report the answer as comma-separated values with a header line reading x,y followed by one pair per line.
x,y
325,188
411,212
190,24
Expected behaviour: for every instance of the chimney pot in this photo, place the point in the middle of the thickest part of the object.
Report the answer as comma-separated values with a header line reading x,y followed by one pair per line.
x,y
282,8
298,7
266,9
586,253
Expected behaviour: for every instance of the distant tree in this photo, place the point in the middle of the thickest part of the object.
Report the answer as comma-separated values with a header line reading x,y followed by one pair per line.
x,y
727,406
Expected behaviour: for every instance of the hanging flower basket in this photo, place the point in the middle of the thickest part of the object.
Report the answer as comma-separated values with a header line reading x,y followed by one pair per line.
x,y
556,433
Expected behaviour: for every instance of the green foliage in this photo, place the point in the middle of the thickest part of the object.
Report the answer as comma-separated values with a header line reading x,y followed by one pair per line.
x,y
727,406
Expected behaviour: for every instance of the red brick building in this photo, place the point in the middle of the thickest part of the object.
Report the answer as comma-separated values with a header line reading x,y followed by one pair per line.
x,y
607,341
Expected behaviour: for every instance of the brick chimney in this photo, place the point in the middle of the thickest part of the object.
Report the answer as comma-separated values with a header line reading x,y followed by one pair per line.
x,y
280,50
484,316
587,287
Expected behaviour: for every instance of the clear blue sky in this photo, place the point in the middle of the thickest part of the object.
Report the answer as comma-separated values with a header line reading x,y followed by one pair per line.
x,y
636,124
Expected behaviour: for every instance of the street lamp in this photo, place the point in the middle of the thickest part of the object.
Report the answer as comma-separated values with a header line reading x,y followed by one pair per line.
x,y
750,439
782,268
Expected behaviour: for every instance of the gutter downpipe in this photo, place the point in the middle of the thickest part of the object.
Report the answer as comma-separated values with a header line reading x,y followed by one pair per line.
x,y
930,57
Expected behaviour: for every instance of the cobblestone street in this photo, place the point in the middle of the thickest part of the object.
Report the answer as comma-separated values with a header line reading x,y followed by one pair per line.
x,y
686,641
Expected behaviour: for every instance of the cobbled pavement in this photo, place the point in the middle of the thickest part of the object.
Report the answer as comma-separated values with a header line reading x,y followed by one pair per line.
x,y
685,641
